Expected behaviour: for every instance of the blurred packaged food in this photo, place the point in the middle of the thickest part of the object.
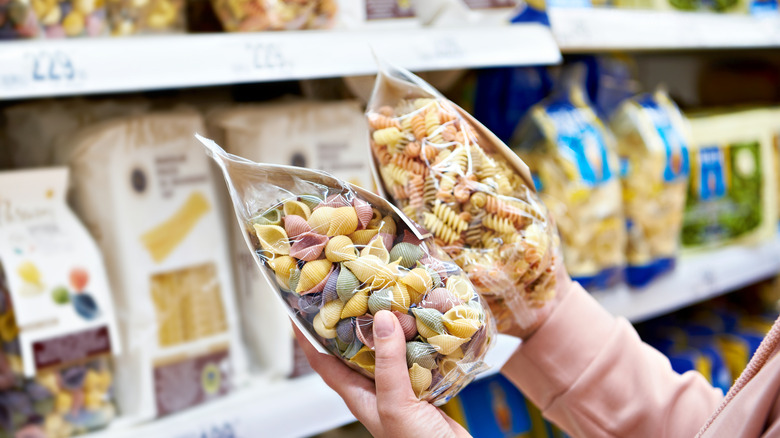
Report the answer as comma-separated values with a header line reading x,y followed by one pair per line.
x,y
57,326
258,15
129,17
17,20
71,18
392,14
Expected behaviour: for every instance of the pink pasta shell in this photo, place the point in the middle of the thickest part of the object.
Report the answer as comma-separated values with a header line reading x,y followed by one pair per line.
x,y
364,212
308,246
335,201
320,286
387,239
408,324
409,237
295,225
364,328
440,299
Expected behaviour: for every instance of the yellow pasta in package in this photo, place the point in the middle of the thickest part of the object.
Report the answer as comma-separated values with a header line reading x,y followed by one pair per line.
x,y
337,255
147,194
258,15
576,170
652,139
449,173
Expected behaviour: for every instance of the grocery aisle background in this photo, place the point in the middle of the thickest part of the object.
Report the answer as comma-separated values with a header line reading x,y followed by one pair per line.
x,y
130,305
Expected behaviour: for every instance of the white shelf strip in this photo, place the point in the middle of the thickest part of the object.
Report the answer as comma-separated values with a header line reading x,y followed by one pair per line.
x,y
81,66
588,30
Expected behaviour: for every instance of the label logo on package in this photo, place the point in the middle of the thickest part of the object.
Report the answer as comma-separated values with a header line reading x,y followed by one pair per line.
x,y
581,142
713,173
677,161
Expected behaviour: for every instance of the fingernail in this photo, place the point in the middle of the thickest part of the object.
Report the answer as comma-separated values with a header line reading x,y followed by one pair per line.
x,y
383,324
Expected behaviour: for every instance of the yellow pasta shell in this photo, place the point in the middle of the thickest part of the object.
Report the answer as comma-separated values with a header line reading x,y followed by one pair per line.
x,y
363,237
372,271
421,378
331,313
340,249
388,225
357,305
283,267
446,344
448,365
319,327
344,221
319,220
365,359
297,208
425,331
419,281
462,311
401,300
376,248
376,219
312,274
455,355
462,328
460,287
273,239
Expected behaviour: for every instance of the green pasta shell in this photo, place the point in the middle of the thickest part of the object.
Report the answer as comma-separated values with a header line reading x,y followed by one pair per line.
x,y
311,201
408,253
270,217
434,275
295,277
380,300
421,353
347,284
432,318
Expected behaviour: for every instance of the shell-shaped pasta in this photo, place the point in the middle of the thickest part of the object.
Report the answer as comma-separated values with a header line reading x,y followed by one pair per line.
x,y
270,217
408,324
357,305
346,284
331,313
456,355
430,319
448,365
401,299
320,219
419,281
312,273
420,353
336,201
462,312
308,246
283,266
380,300
311,201
364,329
409,237
340,249
407,252
345,330
295,278
460,287
319,287
364,212
330,292
363,237
446,344
296,208
376,248
294,226
372,271
352,349
309,303
344,221
421,378
388,225
273,239
440,299
435,277
462,328
376,219
365,359
319,327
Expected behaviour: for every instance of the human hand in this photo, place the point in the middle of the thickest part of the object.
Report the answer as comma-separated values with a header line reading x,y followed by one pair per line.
x,y
387,407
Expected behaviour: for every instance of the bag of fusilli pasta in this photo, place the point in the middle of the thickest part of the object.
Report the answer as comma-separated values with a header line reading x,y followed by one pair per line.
x,y
337,254
451,174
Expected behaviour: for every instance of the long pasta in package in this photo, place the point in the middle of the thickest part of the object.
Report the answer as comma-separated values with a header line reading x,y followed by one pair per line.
x,y
338,254
448,172
576,170
653,139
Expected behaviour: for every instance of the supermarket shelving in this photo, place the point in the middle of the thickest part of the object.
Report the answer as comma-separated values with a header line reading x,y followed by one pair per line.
x,y
305,406
580,30
82,66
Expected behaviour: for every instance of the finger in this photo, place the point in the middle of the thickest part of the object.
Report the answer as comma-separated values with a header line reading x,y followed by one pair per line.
x,y
456,427
357,391
393,389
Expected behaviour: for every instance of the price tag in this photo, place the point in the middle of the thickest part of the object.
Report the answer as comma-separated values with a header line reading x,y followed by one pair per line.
x,y
447,48
218,429
268,58
32,71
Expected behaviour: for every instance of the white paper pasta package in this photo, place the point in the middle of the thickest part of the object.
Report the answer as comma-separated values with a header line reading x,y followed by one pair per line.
x,y
328,136
338,254
146,192
57,325
576,170
452,175
390,14
653,138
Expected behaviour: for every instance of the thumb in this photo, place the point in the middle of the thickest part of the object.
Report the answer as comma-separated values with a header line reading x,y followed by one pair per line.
x,y
393,389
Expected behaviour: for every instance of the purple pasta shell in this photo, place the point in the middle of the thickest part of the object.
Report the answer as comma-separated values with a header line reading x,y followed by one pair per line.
x,y
73,377
345,330
364,327
308,246
310,303
330,293
295,225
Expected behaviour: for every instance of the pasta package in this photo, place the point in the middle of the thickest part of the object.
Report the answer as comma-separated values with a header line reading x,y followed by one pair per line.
x,y
130,17
575,166
328,136
732,190
58,331
258,15
445,170
71,18
17,20
391,14
147,194
338,254
652,138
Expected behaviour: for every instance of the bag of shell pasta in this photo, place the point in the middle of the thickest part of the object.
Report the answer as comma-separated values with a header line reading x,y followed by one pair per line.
x,y
452,175
337,254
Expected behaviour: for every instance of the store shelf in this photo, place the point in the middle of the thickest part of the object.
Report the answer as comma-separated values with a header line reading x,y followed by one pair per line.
x,y
588,30
696,278
69,67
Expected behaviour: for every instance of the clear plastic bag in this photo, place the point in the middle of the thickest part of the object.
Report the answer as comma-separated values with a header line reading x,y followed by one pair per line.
x,y
448,172
257,15
337,254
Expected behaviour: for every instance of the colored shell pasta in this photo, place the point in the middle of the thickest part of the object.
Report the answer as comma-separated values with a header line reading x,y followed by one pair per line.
x,y
450,174
337,255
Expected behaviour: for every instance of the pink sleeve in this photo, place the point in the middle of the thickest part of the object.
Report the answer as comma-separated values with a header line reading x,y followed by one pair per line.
x,y
591,375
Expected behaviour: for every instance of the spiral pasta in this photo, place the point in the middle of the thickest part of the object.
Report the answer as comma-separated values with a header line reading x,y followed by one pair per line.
x,y
449,217
439,228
